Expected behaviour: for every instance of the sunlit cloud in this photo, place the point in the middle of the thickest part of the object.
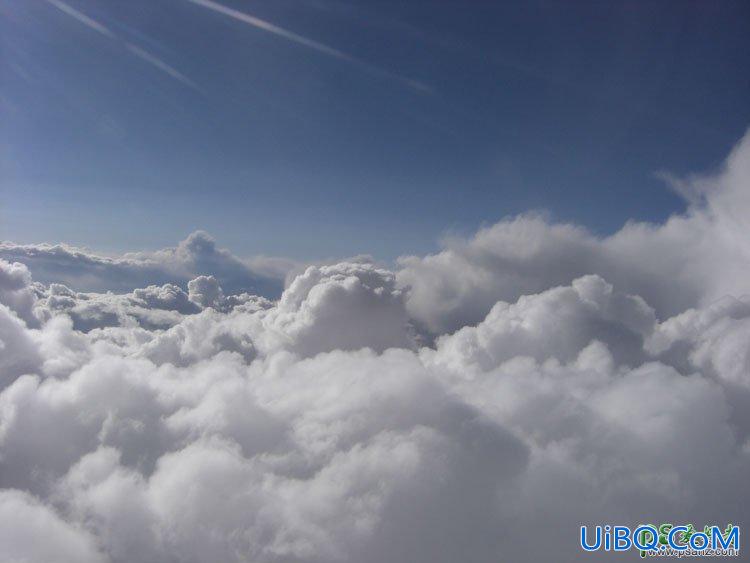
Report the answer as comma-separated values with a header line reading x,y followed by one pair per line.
x,y
310,43
142,54
534,376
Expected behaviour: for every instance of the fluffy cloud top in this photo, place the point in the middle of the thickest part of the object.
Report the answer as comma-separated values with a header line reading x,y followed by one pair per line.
x,y
690,260
479,404
194,256
16,291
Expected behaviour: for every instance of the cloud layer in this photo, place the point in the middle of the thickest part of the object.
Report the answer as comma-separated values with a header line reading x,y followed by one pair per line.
x,y
479,404
196,255
690,260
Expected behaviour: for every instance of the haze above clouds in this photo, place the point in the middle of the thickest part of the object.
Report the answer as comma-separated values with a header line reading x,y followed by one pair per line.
x,y
478,404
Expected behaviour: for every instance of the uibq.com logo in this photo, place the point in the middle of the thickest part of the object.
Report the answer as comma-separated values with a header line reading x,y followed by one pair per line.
x,y
666,540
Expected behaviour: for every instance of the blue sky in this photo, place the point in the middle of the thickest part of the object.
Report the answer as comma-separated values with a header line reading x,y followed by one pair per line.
x,y
317,128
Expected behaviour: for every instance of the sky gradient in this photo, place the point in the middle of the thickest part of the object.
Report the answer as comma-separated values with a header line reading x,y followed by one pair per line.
x,y
318,281
312,129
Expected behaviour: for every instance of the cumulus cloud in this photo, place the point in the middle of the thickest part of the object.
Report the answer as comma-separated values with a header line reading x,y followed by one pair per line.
x,y
25,520
691,260
19,353
17,291
479,404
342,307
151,307
196,255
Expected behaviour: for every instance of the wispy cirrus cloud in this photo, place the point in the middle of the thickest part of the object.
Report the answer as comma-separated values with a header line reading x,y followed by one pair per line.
x,y
142,54
310,44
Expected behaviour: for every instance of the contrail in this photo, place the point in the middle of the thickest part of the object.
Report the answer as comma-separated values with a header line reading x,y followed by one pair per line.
x,y
160,64
83,18
153,60
306,42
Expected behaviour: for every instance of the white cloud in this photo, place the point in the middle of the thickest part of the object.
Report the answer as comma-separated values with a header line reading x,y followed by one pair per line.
x,y
557,323
25,520
152,307
344,306
18,352
17,291
196,255
690,260
584,382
